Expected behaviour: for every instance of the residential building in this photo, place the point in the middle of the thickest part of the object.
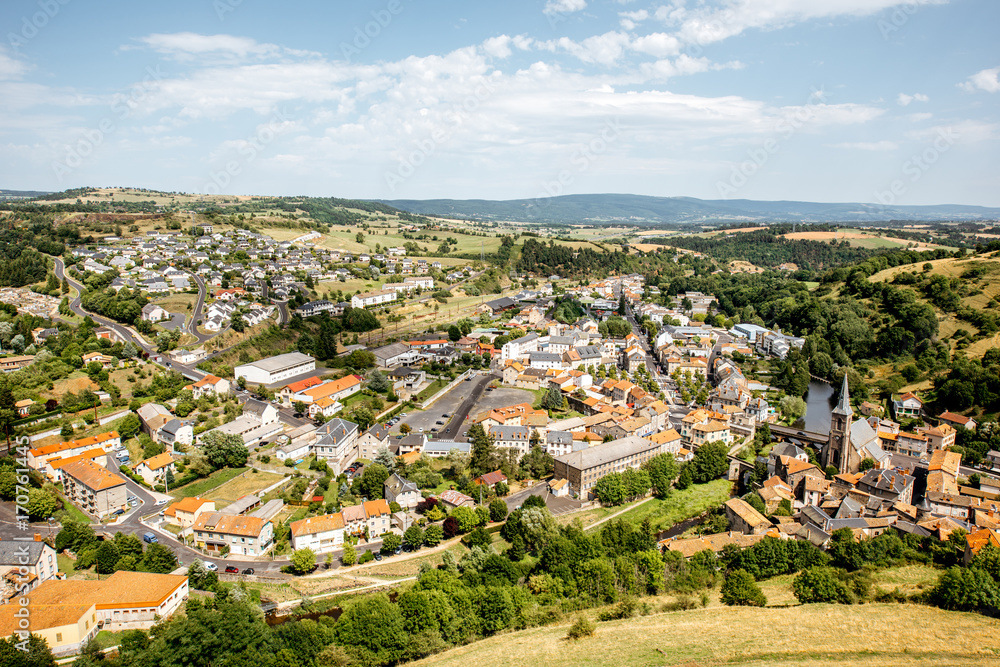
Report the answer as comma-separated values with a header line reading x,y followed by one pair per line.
x,y
957,420
39,457
907,406
336,442
378,516
153,313
745,519
583,468
68,613
454,499
275,369
154,469
93,488
185,512
15,363
241,535
29,563
153,416
372,440
373,299
320,533
209,385
512,437
175,432
402,491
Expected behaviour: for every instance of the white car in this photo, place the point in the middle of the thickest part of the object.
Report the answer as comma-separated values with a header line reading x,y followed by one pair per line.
x,y
161,502
211,567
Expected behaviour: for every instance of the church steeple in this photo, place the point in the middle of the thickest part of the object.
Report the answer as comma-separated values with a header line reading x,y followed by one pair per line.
x,y
844,405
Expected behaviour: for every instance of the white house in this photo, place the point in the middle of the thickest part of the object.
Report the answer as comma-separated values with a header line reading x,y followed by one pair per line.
x,y
402,491
319,533
371,299
153,313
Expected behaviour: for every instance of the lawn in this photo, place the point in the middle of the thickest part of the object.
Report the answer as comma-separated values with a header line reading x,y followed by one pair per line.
x,y
245,484
681,505
180,302
818,634
71,512
433,388
393,568
201,487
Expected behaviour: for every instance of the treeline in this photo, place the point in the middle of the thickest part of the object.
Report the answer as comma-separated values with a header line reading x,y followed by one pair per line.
x,y
25,239
123,306
767,248
548,258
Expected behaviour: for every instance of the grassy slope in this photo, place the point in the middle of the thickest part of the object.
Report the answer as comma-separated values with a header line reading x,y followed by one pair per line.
x,y
872,634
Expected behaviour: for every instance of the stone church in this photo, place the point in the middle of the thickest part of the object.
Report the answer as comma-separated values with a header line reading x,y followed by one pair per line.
x,y
852,441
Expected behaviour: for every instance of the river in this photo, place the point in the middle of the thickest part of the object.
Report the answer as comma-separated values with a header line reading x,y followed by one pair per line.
x,y
820,401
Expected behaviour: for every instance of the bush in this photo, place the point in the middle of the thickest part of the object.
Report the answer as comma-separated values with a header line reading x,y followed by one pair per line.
x,y
582,627
741,589
820,584
626,608
366,557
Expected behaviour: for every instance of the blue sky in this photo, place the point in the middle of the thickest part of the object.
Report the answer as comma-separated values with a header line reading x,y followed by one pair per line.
x,y
822,100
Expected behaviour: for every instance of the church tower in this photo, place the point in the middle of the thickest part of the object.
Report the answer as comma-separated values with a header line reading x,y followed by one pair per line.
x,y
838,449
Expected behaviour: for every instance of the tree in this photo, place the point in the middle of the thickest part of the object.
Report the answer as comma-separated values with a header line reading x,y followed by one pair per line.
x,y
662,470
33,652
710,462
684,480
107,557
350,556
610,489
740,589
553,399
372,627
433,535
378,382
792,407
413,537
390,542
303,561
385,458
41,504
866,464
965,589
498,510
372,481
484,457
158,558
820,584
128,426
454,333
224,450
405,429
466,517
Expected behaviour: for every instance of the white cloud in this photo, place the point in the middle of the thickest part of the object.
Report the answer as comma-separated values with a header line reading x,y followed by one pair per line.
x,y
629,20
189,46
868,145
987,80
11,69
904,100
605,49
709,24
564,6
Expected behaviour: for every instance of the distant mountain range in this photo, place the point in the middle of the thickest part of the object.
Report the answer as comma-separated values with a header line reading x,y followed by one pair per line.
x,y
642,209
21,194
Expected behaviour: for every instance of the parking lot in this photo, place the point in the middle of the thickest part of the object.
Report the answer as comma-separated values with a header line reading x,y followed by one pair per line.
x,y
425,419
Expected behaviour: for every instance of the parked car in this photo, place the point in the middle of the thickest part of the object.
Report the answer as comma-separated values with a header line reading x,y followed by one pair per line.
x,y
211,567
118,512
378,556
133,503
232,569
439,422
149,538
248,571
161,502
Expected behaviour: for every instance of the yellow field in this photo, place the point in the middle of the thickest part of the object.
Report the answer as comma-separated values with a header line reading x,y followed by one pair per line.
x,y
872,635
861,239
245,484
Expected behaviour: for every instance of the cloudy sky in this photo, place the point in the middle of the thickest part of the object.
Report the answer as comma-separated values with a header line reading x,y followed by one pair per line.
x,y
821,100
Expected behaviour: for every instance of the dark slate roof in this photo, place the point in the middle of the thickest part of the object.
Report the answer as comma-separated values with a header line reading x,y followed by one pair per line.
x,y
12,553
